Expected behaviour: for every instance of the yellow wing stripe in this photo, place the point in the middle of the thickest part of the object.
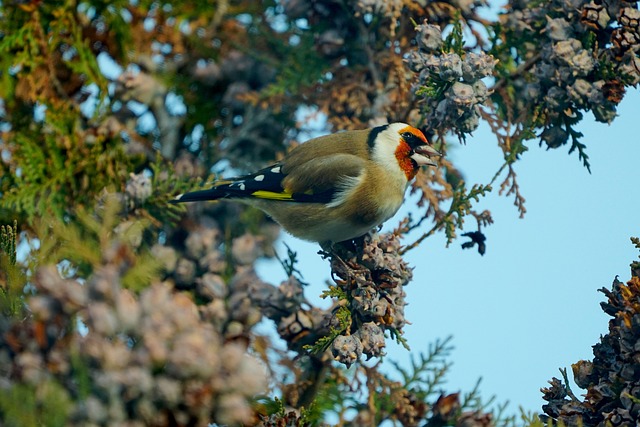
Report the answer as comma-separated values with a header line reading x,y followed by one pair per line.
x,y
272,195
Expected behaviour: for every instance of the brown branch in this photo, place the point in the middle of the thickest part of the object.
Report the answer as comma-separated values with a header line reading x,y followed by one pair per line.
x,y
519,71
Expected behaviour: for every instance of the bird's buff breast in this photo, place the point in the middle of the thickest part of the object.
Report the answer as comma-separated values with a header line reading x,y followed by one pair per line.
x,y
317,223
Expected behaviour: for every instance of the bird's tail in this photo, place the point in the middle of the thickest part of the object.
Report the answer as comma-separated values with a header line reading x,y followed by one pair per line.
x,y
220,191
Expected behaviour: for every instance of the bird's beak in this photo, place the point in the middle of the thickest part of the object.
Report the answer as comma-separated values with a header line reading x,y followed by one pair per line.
x,y
423,154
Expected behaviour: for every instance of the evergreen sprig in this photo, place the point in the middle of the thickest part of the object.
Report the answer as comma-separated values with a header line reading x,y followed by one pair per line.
x,y
8,241
12,279
426,373
59,169
454,42
99,234
46,403
461,206
343,316
166,186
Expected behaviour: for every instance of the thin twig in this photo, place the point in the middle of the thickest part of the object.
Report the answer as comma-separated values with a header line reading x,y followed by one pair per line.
x,y
520,70
435,228
573,397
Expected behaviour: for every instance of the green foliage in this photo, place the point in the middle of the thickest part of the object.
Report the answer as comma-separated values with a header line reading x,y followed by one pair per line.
x,y
24,405
333,397
461,206
311,415
17,40
426,377
66,30
11,278
295,68
575,141
473,401
434,87
397,336
517,148
343,316
57,159
8,241
81,373
532,420
567,388
272,406
57,167
100,237
34,39
113,13
453,219
334,292
277,412
166,186
426,374
454,42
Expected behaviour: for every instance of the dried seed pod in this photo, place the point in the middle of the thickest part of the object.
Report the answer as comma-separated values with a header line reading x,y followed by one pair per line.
x,y
450,67
346,349
372,338
595,16
429,37
582,371
554,137
138,188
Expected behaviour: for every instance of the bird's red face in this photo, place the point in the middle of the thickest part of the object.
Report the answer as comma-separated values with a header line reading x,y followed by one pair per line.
x,y
414,151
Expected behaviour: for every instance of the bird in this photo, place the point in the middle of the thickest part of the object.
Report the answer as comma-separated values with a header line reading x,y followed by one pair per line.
x,y
333,188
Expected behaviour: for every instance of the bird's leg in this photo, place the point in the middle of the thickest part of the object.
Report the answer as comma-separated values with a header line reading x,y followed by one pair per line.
x,y
335,251
339,267
359,243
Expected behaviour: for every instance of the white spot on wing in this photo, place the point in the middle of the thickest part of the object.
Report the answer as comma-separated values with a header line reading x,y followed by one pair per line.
x,y
241,185
259,177
179,196
276,169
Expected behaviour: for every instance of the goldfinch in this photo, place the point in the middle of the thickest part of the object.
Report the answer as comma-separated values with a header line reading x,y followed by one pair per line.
x,y
336,187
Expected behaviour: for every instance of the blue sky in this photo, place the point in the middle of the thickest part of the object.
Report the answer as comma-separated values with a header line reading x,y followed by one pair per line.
x,y
530,305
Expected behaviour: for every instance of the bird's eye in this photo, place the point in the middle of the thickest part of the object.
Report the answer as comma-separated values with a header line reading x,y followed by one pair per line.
x,y
411,139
